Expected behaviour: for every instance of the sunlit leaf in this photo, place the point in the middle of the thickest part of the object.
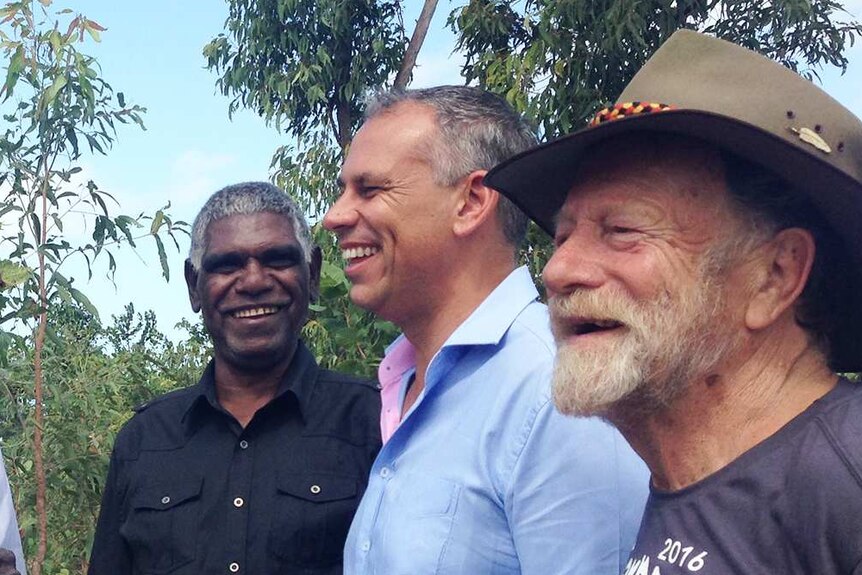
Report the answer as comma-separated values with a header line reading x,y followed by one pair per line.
x,y
54,89
12,274
157,222
16,65
163,258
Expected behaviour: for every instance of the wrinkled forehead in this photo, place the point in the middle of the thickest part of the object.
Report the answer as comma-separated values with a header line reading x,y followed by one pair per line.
x,y
681,177
249,231
401,132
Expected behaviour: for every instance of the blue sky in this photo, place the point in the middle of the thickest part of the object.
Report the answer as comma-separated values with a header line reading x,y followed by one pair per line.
x,y
152,52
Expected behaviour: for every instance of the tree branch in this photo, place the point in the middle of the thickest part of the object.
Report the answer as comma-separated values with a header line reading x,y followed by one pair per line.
x,y
405,73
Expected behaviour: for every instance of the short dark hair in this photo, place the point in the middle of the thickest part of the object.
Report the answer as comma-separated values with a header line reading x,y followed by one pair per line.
x,y
767,200
477,131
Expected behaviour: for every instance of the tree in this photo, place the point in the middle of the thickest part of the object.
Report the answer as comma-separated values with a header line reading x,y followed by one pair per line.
x,y
305,66
95,374
560,60
54,101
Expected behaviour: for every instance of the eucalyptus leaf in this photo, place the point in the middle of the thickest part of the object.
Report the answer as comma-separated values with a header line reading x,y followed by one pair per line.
x,y
12,274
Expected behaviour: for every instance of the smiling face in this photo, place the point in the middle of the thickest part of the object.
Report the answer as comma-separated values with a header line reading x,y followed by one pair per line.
x,y
253,289
393,221
638,283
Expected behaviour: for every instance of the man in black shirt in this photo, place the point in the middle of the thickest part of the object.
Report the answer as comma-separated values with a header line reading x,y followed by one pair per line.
x,y
259,467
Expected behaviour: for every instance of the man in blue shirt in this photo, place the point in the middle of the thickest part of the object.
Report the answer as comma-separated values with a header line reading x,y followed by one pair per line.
x,y
480,475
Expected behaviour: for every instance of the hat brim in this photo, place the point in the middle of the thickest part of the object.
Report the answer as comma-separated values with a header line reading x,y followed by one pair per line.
x,y
539,180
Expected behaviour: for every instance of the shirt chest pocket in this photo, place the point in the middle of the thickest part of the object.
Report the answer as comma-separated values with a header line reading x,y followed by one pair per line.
x,y
311,518
420,512
162,524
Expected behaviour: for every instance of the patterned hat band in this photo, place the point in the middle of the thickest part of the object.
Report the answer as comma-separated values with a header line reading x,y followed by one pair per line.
x,y
627,109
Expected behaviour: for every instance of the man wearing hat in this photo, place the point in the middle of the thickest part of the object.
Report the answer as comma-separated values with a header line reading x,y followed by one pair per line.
x,y
705,292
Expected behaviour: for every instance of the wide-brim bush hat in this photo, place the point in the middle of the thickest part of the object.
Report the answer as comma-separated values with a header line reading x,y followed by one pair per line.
x,y
702,87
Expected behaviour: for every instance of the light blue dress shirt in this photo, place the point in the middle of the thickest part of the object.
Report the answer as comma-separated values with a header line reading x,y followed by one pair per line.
x,y
484,476
9,537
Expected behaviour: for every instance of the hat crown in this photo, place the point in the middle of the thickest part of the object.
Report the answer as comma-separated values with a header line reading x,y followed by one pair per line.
x,y
692,71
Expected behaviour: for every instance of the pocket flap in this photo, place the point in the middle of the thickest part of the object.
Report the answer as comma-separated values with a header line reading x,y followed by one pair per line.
x,y
167,495
318,487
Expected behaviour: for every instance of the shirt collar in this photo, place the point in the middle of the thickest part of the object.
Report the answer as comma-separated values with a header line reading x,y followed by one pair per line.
x,y
485,326
491,320
298,380
399,357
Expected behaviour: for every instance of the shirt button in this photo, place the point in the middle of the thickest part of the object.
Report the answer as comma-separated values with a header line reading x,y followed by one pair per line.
x,y
385,472
315,489
243,444
366,545
238,502
166,500
233,567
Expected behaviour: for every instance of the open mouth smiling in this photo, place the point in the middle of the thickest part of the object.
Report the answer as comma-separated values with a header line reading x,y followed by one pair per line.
x,y
254,312
582,326
358,252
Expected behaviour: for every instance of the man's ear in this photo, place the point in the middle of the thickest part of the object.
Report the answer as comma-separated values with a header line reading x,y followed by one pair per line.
x,y
785,266
478,203
192,284
314,265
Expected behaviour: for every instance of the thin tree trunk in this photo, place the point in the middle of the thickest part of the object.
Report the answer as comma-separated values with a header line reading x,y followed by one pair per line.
x,y
422,24
41,483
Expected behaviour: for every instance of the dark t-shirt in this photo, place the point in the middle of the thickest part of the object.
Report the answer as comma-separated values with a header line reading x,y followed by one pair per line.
x,y
790,505
191,492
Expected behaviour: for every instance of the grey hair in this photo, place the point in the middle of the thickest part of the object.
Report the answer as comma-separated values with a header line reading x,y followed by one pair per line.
x,y
766,204
476,131
242,199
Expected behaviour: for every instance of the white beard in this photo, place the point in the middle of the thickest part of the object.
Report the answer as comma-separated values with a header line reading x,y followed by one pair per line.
x,y
664,345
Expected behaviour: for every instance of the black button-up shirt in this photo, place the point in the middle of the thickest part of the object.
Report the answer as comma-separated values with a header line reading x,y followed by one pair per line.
x,y
189,491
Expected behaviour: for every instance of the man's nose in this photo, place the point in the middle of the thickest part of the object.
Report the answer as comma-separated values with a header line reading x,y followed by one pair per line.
x,y
342,214
574,265
255,278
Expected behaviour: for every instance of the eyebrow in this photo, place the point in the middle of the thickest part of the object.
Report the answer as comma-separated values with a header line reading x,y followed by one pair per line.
x,y
363,179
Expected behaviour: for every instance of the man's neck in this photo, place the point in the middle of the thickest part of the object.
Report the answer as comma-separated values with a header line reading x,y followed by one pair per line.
x,y
469,288
719,418
242,392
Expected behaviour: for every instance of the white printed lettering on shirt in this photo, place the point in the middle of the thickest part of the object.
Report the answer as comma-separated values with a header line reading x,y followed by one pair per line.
x,y
673,552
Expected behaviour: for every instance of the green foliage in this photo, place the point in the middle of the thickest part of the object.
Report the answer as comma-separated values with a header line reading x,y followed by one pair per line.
x,y
305,64
54,101
343,336
560,60
95,375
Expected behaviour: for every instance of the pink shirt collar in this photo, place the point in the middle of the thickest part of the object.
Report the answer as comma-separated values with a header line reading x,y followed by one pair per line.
x,y
400,358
